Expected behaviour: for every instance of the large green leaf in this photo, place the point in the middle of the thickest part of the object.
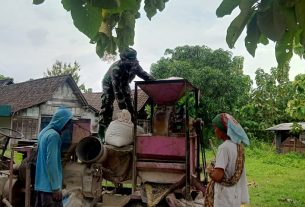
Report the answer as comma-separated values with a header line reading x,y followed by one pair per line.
x,y
284,48
105,4
270,23
238,24
264,5
151,7
300,13
127,5
125,30
302,38
226,7
253,36
289,3
66,4
289,14
85,17
263,39
36,2
105,44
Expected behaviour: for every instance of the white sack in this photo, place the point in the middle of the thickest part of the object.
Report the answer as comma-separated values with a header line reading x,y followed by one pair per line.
x,y
120,133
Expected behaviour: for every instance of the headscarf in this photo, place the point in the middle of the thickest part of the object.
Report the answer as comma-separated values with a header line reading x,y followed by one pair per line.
x,y
228,125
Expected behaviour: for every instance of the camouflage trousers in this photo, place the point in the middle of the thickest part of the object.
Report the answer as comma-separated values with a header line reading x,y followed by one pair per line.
x,y
107,99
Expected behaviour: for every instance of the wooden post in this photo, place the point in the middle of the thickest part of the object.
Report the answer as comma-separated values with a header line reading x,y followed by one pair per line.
x,y
28,181
278,141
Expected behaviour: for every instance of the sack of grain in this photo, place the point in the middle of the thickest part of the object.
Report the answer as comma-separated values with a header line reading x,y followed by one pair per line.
x,y
119,132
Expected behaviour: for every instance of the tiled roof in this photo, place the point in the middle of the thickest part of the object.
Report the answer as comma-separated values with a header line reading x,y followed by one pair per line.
x,y
34,92
94,100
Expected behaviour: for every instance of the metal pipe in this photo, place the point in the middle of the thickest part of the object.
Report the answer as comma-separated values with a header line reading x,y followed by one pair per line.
x,y
134,167
90,149
187,151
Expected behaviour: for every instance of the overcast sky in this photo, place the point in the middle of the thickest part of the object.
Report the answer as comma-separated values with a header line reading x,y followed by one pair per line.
x,y
33,37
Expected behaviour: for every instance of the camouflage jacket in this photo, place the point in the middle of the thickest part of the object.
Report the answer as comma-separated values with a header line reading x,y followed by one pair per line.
x,y
119,76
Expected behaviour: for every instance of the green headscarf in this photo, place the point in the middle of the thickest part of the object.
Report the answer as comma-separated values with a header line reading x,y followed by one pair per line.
x,y
228,125
217,121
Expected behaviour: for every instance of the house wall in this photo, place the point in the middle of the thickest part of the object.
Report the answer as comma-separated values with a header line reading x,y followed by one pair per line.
x,y
64,96
5,122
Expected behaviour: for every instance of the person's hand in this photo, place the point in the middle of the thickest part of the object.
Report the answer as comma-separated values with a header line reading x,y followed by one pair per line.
x,y
210,169
57,195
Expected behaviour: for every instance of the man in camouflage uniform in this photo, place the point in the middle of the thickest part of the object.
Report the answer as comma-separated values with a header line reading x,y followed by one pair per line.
x,y
116,86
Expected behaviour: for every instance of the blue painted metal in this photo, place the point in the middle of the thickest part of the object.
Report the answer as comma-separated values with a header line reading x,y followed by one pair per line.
x,y
5,110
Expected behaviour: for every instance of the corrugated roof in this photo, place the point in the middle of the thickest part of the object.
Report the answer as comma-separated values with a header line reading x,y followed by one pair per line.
x,y
284,127
34,92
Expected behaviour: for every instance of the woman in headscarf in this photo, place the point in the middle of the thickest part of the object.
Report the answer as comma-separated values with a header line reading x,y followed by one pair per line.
x,y
228,183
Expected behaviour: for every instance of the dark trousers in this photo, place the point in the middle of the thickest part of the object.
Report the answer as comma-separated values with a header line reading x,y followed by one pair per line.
x,y
107,99
44,199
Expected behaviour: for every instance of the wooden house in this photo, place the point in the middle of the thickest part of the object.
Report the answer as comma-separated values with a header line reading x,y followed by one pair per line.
x,y
32,103
285,141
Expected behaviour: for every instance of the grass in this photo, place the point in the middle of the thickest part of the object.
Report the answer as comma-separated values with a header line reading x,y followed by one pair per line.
x,y
274,180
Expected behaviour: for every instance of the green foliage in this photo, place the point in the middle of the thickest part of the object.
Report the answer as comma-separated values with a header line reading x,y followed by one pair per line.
x,y
278,20
109,24
2,77
267,102
59,68
296,106
217,74
296,129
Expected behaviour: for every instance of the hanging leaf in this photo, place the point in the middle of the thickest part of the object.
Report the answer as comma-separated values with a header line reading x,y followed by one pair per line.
x,y
85,17
36,2
151,7
125,30
127,5
238,24
253,36
265,5
66,4
290,19
226,7
299,13
297,36
270,23
288,3
105,44
105,4
299,50
283,48
263,39
302,38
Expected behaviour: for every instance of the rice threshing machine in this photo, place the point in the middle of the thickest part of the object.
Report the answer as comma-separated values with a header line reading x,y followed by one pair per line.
x,y
162,167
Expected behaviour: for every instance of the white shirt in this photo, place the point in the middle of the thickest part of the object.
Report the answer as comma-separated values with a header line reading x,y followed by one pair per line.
x,y
235,195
